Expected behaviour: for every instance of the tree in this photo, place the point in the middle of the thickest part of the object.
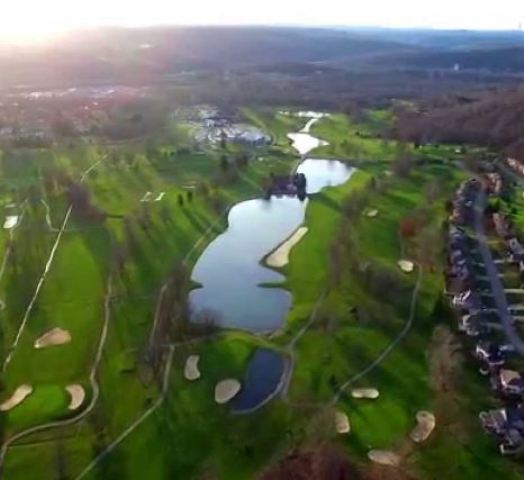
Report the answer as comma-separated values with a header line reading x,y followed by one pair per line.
x,y
224,163
407,228
403,164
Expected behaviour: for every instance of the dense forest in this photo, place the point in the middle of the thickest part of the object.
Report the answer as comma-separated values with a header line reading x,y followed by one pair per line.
x,y
494,119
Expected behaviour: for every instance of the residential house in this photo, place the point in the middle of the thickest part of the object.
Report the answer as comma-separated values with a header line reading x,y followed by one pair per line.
x,y
509,383
507,425
490,355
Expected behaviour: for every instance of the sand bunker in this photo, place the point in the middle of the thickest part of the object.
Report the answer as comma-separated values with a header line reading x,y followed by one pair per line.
x,y
372,213
191,371
226,390
342,423
20,394
78,396
425,426
160,196
406,266
370,393
280,257
10,221
384,457
56,336
145,198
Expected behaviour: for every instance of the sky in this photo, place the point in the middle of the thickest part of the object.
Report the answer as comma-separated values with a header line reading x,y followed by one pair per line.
x,y
36,19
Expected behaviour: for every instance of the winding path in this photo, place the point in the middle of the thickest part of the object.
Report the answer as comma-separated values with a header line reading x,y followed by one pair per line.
x,y
95,388
391,346
137,422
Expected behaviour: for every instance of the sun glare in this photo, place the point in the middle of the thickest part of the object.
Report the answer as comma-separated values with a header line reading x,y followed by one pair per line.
x,y
39,20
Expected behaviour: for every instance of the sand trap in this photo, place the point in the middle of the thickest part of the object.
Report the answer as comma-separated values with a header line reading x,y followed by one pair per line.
x,y
191,371
160,196
372,213
145,198
406,266
342,423
280,257
226,390
425,426
21,393
384,457
78,396
56,336
10,221
370,393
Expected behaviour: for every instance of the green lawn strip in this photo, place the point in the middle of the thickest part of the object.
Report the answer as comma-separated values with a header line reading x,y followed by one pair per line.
x,y
58,455
325,359
307,273
277,123
47,401
71,298
191,433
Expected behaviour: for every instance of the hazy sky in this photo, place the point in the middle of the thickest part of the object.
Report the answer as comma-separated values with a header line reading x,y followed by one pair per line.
x,y
27,18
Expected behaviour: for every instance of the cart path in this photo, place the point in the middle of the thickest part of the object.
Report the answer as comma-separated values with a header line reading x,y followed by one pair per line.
x,y
42,278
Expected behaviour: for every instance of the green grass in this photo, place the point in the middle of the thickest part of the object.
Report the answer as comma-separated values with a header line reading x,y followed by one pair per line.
x,y
189,436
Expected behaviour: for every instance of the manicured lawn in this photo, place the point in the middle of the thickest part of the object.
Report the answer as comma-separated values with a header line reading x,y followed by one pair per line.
x,y
188,435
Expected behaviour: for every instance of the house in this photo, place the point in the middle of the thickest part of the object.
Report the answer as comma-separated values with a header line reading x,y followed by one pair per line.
x,y
515,165
507,425
509,383
500,224
489,355
494,183
472,325
468,300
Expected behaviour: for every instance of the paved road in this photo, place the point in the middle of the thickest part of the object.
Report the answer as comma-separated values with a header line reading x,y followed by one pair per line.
x,y
497,288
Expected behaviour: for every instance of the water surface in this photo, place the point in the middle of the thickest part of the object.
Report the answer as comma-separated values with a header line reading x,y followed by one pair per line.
x,y
262,381
230,269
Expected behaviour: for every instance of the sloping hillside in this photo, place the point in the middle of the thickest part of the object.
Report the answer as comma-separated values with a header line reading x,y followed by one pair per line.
x,y
496,119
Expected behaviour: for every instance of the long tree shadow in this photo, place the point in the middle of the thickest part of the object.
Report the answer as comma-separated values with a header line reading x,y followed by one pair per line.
x,y
198,223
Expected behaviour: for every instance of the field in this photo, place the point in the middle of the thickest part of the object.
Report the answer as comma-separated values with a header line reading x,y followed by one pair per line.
x,y
141,216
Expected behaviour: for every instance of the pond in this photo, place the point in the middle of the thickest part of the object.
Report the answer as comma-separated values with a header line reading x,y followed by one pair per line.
x,y
262,381
230,271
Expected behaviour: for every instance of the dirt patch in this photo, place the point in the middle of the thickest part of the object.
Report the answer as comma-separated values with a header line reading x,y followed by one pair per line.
x,y
369,393
445,360
226,390
280,256
384,457
191,371
77,394
146,197
328,462
56,336
10,221
19,395
342,424
425,425
406,266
